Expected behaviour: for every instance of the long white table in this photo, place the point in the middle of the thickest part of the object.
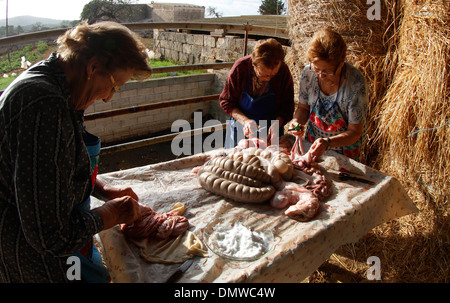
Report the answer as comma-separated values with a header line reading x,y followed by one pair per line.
x,y
300,248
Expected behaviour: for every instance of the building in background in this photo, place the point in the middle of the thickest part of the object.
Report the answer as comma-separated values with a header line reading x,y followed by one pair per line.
x,y
164,12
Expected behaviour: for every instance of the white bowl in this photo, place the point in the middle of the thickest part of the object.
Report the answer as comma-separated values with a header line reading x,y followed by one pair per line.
x,y
238,242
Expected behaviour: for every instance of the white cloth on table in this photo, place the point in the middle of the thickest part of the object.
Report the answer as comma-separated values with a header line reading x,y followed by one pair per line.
x,y
300,247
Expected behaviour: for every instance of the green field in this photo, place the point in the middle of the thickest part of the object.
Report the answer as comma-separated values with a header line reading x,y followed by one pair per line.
x,y
11,64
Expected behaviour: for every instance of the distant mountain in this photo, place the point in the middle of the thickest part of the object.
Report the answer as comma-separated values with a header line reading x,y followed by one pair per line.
x,y
30,20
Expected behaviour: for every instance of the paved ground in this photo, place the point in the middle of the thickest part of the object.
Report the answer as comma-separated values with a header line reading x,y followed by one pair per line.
x,y
151,154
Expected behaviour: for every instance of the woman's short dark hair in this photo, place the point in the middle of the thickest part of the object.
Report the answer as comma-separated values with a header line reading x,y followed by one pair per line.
x,y
268,52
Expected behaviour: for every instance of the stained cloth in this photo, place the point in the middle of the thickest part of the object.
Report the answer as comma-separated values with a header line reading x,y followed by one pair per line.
x,y
299,248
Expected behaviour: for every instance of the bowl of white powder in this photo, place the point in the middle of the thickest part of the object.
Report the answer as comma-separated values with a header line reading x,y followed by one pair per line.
x,y
238,242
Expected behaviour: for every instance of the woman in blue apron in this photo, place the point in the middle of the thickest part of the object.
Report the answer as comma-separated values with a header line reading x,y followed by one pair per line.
x,y
332,100
260,109
258,95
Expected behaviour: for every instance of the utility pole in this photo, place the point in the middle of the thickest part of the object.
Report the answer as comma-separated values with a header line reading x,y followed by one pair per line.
x,y
9,57
6,18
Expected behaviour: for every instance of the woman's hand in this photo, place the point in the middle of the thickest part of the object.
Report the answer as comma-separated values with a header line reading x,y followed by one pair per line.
x,y
273,134
318,147
110,192
117,192
123,210
296,124
250,128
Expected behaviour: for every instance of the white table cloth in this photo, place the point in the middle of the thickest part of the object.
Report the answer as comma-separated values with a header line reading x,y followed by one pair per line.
x,y
348,214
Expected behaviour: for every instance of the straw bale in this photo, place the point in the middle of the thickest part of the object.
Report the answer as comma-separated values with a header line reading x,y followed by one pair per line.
x,y
412,121
414,133
406,61
367,42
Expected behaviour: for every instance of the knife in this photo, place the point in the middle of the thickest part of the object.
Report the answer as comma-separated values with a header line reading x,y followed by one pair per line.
x,y
345,176
177,274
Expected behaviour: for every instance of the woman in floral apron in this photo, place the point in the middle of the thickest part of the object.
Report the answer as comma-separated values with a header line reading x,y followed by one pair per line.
x,y
332,98
258,95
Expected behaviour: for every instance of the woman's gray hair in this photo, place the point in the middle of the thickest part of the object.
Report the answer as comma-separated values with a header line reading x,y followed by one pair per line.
x,y
115,45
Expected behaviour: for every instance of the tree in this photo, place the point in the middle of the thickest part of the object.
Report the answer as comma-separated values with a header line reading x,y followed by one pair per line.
x,y
212,11
19,30
102,10
271,7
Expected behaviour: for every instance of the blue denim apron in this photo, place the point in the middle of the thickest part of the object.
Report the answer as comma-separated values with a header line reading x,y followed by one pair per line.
x,y
92,268
261,109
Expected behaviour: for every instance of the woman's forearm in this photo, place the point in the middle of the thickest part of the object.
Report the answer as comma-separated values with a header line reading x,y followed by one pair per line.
x,y
301,114
347,138
239,116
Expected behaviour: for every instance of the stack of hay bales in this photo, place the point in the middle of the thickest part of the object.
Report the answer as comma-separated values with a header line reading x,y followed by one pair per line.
x,y
405,58
414,126
414,131
367,43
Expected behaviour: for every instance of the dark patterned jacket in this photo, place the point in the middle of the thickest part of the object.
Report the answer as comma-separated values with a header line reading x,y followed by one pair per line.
x,y
45,174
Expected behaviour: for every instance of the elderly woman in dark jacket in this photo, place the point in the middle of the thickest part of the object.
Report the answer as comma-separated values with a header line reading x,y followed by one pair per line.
x,y
49,161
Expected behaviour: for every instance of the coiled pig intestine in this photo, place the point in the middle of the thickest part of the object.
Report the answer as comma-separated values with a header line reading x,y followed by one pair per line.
x,y
255,175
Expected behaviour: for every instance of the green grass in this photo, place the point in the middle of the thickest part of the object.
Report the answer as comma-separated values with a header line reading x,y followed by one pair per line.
x,y
162,63
4,82
41,52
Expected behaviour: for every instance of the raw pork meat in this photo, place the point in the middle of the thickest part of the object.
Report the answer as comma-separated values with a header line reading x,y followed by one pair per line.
x,y
154,224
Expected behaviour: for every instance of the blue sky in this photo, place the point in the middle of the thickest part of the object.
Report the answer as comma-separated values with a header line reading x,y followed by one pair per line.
x,y
71,9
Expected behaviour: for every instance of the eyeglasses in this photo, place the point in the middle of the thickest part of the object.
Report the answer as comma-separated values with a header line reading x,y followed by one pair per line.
x,y
114,83
318,72
258,76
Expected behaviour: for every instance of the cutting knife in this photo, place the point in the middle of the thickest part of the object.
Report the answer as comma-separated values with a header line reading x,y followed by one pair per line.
x,y
177,274
297,128
345,176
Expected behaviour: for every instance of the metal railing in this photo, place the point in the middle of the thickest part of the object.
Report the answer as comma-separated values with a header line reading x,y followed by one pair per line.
x,y
230,28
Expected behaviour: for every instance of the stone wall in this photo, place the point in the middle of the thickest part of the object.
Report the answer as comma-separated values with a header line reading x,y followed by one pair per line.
x,y
197,48
144,124
170,12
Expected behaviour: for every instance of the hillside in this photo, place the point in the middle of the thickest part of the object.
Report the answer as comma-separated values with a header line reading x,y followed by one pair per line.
x,y
30,20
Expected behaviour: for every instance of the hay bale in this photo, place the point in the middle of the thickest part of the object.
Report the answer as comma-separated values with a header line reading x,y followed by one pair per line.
x,y
414,133
414,127
367,44
409,127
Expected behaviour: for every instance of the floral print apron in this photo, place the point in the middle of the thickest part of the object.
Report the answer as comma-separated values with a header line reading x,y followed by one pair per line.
x,y
326,120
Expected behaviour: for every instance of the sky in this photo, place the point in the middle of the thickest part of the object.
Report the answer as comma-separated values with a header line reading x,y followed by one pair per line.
x,y
71,9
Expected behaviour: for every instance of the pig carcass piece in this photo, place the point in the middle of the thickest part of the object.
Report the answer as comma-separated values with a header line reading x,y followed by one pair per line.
x,y
303,199
152,224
